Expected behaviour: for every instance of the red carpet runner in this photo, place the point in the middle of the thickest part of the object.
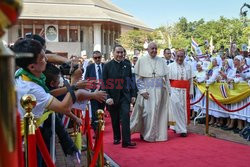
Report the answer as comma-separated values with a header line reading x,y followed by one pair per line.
x,y
193,151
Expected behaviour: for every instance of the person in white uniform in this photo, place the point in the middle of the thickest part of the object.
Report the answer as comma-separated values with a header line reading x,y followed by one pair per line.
x,y
150,113
181,80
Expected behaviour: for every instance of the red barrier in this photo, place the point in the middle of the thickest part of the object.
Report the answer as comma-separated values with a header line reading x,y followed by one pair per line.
x,y
32,150
198,100
219,104
19,141
97,150
43,149
87,129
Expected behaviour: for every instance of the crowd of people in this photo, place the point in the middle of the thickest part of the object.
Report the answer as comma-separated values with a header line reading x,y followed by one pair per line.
x,y
157,90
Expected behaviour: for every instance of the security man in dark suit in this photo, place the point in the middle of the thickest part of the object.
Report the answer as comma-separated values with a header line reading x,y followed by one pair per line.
x,y
117,78
94,72
167,54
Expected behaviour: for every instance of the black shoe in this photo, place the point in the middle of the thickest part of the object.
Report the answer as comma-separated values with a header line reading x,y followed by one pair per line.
x,y
237,130
84,147
129,145
223,127
141,137
228,128
183,134
192,118
211,123
116,142
218,125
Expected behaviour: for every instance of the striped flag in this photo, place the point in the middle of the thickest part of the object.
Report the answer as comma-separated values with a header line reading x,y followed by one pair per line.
x,y
194,43
78,156
211,46
196,47
223,91
65,121
230,45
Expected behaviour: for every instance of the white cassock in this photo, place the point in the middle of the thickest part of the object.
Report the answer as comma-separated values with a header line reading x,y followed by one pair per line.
x,y
178,102
150,115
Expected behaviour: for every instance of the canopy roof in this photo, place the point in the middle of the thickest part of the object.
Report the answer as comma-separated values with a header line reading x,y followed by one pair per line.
x,y
79,10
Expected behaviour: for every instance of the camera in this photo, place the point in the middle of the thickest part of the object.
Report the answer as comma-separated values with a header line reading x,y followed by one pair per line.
x,y
67,69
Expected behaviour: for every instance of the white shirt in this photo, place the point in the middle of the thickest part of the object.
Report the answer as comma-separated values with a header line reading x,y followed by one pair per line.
x,y
27,87
84,66
200,76
215,72
133,68
96,70
242,76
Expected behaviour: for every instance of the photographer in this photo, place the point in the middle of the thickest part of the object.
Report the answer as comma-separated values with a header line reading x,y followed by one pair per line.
x,y
31,80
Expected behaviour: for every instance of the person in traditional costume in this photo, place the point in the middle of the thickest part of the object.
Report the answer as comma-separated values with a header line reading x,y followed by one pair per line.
x,y
212,75
224,75
181,80
149,117
241,75
199,77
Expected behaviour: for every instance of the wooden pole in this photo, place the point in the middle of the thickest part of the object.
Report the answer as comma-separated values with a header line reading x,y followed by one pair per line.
x,y
207,107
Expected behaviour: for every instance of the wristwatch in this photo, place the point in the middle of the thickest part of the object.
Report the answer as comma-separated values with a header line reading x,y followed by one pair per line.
x,y
74,87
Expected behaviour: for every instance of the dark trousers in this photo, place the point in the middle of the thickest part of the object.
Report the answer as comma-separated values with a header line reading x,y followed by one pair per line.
x,y
95,105
120,113
65,140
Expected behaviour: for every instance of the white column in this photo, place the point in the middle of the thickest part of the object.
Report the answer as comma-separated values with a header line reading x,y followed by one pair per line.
x,y
22,30
90,40
103,46
68,33
97,37
78,32
108,43
85,37
113,39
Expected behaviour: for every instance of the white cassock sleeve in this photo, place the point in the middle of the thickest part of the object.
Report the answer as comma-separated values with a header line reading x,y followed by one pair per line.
x,y
140,84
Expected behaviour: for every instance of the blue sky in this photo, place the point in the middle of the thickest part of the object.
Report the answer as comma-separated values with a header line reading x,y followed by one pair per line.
x,y
155,13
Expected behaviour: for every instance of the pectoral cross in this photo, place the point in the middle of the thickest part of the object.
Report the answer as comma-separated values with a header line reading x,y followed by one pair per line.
x,y
154,73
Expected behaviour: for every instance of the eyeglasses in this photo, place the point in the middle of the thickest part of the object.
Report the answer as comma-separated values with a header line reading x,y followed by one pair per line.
x,y
97,58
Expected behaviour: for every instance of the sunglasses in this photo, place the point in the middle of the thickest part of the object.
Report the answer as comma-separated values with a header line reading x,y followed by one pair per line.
x,y
97,57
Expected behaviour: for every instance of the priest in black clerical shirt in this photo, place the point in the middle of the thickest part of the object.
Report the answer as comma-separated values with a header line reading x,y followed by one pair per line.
x,y
120,87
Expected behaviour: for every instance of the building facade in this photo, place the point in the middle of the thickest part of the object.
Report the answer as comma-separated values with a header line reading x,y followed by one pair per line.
x,y
75,27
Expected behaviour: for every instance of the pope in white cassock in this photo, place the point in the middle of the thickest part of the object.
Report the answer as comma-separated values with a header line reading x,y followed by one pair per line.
x,y
151,109
181,80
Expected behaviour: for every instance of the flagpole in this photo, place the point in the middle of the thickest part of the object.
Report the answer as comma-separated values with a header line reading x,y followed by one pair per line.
x,y
211,45
230,50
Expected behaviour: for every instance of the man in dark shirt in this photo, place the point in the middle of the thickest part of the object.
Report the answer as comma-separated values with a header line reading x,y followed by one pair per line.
x,y
117,78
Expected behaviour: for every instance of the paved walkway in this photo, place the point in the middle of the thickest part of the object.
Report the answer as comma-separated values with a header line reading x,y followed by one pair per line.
x,y
62,161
